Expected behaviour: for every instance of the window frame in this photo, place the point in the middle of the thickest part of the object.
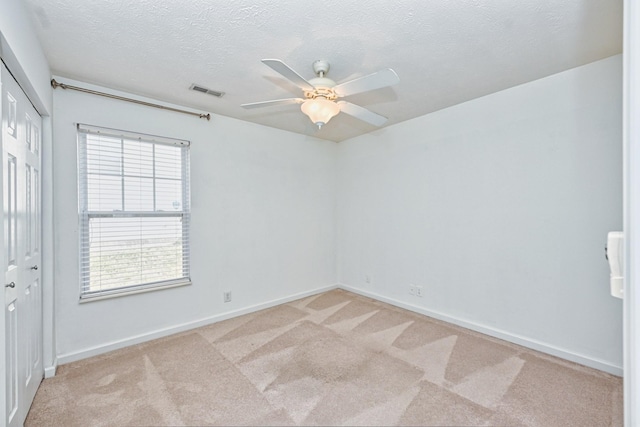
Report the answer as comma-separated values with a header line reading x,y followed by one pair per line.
x,y
85,215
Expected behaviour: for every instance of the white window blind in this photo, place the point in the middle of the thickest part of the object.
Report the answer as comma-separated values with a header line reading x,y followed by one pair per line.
x,y
134,211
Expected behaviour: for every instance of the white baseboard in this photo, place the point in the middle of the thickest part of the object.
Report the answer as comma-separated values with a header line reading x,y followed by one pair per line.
x,y
493,332
50,371
497,333
115,345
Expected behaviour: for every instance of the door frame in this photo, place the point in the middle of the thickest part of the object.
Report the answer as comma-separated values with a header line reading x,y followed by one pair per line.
x,y
631,134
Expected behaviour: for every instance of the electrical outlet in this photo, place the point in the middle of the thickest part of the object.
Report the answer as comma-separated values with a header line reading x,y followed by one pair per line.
x,y
419,291
412,289
227,296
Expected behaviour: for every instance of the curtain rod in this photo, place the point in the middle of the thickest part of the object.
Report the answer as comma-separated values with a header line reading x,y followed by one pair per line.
x,y
56,85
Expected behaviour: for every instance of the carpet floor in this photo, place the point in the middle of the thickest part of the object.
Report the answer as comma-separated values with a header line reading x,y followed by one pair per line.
x,y
331,359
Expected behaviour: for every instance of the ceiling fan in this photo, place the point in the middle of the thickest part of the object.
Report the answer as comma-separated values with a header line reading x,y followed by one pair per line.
x,y
321,93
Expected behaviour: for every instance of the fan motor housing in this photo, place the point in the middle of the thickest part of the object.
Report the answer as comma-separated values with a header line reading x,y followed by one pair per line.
x,y
322,87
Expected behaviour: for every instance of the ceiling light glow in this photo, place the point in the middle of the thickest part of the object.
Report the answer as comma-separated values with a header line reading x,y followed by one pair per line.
x,y
320,110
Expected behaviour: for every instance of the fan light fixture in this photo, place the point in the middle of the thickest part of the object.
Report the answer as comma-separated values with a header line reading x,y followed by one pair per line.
x,y
320,110
320,93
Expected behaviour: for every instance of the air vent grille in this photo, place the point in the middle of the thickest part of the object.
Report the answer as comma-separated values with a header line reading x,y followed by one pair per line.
x,y
199,88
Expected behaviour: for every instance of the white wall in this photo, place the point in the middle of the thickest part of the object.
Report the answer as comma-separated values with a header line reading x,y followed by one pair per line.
x,y
262,222
500,208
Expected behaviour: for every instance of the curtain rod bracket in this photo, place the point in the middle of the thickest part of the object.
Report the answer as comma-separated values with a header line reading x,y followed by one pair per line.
x,y
55,85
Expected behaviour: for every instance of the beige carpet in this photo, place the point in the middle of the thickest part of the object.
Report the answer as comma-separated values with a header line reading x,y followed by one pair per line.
x,y
332,359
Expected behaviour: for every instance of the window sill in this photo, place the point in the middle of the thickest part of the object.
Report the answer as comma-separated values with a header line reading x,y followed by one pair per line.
x,y
126,292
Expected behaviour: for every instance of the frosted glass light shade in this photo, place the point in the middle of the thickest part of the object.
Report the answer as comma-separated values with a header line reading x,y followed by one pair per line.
x,y
320,110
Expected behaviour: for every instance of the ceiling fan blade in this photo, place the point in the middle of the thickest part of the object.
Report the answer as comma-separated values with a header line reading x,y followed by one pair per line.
x,y
273,102
361,113
382,78
289,73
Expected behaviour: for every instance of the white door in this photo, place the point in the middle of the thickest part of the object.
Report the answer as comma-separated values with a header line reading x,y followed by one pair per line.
x,y
21,146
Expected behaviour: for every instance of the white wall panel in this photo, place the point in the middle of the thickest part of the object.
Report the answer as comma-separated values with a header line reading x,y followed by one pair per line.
x,y
499,208
262,223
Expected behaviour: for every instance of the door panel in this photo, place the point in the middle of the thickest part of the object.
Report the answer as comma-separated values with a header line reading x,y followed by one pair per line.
x,y
11,211
11,338
23,298
26,306
28,221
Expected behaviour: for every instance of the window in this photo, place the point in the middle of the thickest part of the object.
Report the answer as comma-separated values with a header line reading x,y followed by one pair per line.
x,y
134,212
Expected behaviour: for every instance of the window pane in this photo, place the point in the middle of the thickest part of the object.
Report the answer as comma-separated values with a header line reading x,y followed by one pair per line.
x,y
138,158
132,251
168,195
104,155
104,193
138,194
168,162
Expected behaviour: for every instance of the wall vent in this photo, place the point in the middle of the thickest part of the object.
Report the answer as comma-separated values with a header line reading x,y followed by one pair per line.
x,y
208,91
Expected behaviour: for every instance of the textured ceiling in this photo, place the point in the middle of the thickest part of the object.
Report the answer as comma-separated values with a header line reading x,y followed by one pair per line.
x,y
445,51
